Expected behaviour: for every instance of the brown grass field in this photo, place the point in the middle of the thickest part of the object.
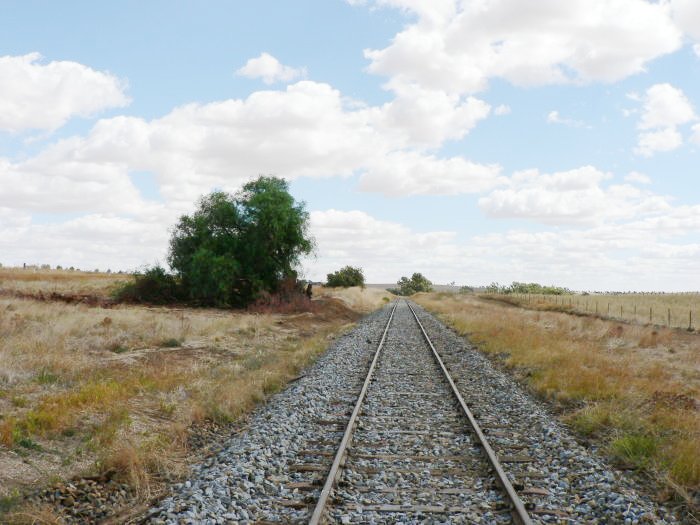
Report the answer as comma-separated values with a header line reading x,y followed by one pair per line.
x,y
632,389
677,310
36,281
86,389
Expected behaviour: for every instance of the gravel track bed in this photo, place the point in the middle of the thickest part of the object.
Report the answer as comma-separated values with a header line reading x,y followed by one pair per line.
x,y
410,411
272,471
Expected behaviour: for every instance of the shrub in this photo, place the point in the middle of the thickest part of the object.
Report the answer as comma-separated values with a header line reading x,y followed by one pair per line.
x,y
155,286
346,277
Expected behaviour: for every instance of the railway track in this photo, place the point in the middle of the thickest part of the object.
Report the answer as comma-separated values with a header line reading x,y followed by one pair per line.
x,y
411,450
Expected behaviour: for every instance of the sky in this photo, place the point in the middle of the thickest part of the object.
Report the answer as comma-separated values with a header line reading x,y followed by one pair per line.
x,y
470,140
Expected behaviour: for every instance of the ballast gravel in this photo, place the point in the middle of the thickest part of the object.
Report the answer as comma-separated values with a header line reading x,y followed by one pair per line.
x,y
262,473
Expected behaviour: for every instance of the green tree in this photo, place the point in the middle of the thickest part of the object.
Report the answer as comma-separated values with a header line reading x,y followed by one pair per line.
x,y
236,246
346,277
417,283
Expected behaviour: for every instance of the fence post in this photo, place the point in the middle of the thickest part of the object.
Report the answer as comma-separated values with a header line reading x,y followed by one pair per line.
x,y
596,307
690,320
608,309
669,318
620,311
650,315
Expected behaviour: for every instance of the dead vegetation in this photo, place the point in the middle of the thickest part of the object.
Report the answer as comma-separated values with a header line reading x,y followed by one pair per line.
x,y
633,389
86,390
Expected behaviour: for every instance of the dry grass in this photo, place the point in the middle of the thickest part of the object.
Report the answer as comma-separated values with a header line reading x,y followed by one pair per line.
x,y
86,389
683,309
634,388
34,281
356,298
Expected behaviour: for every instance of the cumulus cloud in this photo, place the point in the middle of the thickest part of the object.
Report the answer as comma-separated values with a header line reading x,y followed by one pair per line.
x,y
307,129
664,108
570,197
663,140
44,96
458,46
561,256
270,70
553,117
686,13
89,241
427,118
410,173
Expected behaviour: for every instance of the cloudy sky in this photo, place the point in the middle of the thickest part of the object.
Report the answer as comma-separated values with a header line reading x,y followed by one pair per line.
x,y
471,140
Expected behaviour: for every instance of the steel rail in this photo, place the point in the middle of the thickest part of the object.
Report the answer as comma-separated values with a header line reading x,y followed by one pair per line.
x,y
334,472
520,515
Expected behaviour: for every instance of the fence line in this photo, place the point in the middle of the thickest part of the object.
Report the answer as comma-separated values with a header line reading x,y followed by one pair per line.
x,y
672,317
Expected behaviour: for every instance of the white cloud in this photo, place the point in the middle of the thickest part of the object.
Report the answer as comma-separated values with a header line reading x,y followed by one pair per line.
x,y
458,46
686,13
695,137
270,70
553,117
503,109
696,50
409,173
663,140
379,247
570,197
36,95
664,108
638,178
306,130
561,256
424,118
86,242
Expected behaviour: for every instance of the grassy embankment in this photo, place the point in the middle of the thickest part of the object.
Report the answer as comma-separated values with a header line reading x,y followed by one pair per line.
x,y
632,388
88,389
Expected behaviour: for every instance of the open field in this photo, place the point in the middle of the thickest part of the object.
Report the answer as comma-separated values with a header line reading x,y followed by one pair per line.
x,y
679,310
85,390
36,281
632,389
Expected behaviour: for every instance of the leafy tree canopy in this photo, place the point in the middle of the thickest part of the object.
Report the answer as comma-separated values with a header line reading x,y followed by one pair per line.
x,y
345,277
236,246
417,283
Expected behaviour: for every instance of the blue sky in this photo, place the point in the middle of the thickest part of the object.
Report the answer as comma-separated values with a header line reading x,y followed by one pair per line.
x,y
484,141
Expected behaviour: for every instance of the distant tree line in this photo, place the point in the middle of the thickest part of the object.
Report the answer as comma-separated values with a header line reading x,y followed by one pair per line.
x,y
527,288
417,283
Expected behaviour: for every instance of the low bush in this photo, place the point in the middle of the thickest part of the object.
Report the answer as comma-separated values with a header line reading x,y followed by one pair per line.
x,y
154,286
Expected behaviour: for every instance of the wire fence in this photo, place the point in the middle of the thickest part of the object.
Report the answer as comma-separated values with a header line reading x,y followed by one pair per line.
x,y
672,310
